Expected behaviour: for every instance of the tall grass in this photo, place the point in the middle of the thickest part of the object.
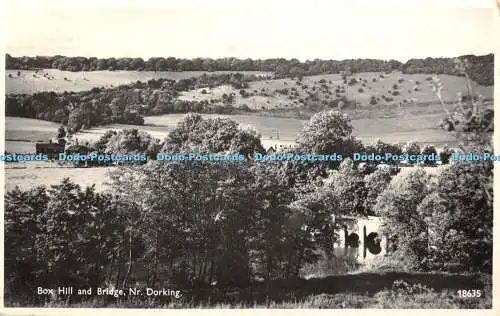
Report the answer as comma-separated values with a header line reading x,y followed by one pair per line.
x,y
388,299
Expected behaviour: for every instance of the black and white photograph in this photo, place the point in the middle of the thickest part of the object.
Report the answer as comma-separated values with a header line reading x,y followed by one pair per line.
x,y
249,155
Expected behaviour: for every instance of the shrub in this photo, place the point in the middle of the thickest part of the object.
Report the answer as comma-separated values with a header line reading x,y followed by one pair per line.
x,y
402,288
243,93
283,91
411,148
445,155
429,150
245,107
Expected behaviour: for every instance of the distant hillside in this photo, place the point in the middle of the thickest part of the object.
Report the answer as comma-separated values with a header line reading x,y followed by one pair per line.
x,y
362,95
481,66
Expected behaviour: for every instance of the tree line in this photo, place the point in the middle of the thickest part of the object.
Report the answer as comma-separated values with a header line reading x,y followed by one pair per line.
x,y
481,72
131,141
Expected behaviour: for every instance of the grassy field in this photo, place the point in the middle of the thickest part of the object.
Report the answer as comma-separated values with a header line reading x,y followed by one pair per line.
x,y
30,82
412,89
29,175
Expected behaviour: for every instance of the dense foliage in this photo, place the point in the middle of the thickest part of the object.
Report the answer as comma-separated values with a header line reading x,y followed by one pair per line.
x,y
211,135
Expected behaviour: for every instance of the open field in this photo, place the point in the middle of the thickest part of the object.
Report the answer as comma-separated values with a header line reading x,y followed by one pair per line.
x,y
30,174
30,82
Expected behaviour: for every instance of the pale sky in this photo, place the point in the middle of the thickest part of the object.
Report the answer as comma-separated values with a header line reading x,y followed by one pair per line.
x,y
324,32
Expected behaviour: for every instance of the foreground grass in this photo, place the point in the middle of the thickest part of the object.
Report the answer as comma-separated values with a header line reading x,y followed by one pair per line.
x,y
362,290
385,299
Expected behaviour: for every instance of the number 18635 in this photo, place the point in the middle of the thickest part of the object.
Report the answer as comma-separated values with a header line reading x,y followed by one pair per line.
x,y
469,293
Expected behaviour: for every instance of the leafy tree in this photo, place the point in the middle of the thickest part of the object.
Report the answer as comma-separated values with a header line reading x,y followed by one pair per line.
x,y
445,155
212,135
327,133
23,270
406,228
75,120
101,144
201,214
460,218
348,188
279,246
117,107
429,150
56,236
375,184
381,148
132,141
61,132
411,148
